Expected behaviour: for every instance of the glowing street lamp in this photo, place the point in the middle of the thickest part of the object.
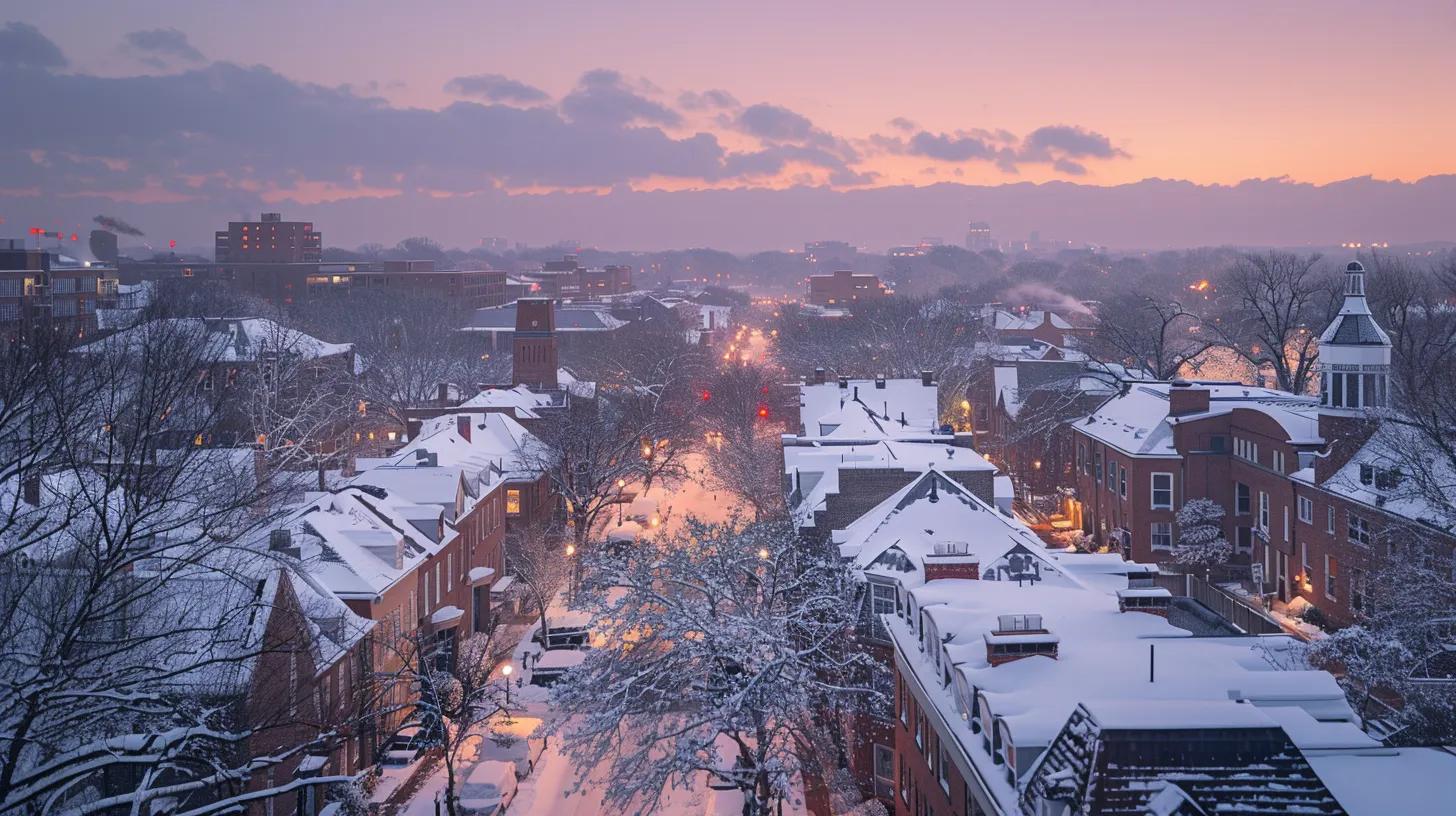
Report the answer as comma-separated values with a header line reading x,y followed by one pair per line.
x,y
506,672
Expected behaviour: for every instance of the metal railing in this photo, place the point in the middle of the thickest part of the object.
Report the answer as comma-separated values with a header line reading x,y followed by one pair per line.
x,y
1230,607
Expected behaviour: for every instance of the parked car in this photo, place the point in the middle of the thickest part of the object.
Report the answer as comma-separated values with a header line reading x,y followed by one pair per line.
x,y
566,630
513,739
488,789
405,746
552,664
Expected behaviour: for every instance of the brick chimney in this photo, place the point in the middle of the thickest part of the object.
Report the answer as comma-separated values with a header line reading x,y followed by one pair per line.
x,y
462,426
534,353
819,376
927,378
1185,398
952,559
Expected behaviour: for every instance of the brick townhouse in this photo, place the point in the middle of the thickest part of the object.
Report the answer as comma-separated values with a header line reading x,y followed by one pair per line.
x,y
1310,486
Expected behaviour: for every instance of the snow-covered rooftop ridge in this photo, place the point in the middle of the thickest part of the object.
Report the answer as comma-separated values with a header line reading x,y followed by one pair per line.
x,y
899,534
869,409
231,339
358,541
495,450
814,468
1137,420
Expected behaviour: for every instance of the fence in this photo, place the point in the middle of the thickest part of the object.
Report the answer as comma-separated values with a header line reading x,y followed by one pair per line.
x,y
1226,605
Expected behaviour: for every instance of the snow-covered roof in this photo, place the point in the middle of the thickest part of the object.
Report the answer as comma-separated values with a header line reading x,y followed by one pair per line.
x,y
1397,780
899,534
1102,661
869,409
1026,321
816,466
1136,421
526,402
496,450
356,542
231,339
1389,449
569,318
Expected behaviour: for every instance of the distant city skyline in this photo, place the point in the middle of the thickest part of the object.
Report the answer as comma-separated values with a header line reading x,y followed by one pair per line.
x,y
181,115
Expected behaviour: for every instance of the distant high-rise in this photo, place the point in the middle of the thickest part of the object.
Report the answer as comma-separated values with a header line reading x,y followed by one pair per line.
x,y
269,240
978,236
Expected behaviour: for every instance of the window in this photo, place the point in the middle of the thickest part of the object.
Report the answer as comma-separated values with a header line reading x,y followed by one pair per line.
x,y
1162,491
1246,449
1304,559
513,502
1332,568
1278,460
883,599
940,768
920,731
1244,539
1264,513
1162,535
1358,529
437,584
1111,475
1097,466
884,760
1241,499
207,381
1380,478
1330,519
1306,509
1082,457
1122,482
1286,522
1357,590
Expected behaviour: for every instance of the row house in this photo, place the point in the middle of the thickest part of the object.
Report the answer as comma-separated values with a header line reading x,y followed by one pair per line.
x,y
1311,487
933,528
1063,696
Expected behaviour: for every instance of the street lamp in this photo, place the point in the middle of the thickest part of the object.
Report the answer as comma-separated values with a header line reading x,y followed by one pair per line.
x,y
506,672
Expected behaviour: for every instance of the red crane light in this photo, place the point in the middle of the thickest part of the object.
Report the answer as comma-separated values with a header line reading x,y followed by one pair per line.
x,y
707,395
172,244
763,412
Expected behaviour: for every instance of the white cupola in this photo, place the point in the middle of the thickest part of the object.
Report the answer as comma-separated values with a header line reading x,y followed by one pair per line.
x,y
1354,353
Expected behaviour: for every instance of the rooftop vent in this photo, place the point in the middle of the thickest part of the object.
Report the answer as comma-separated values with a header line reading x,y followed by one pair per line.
x,y
1019,623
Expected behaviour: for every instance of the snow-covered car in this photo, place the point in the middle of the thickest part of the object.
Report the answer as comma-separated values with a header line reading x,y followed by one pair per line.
x,y
488,789
565,630
513,739
405,746
553,663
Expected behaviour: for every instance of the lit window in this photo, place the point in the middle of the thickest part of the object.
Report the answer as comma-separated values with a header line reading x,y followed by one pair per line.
x,y
513,502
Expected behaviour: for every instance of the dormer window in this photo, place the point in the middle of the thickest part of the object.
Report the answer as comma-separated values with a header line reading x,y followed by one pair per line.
x,y
1380,478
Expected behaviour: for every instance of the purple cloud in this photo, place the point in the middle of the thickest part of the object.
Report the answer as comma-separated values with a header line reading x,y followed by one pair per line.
x,y
495,88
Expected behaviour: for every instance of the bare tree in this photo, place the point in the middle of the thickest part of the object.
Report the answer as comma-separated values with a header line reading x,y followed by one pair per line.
x,y
128,590
537,557
1155,336
721,650
408,344
1274,307
747,463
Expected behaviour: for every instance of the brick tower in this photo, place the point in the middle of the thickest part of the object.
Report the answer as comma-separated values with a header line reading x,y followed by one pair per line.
x,y
533,351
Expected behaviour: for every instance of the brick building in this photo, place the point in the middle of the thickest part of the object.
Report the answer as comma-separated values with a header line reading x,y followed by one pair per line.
x,y
1310,487
269,240
844,288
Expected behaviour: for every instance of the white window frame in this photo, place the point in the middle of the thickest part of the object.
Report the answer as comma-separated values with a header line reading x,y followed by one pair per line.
x,y
1305,506
1164,529
1361,538
1263,518
1153,491
1121,482
1330,589
1330,519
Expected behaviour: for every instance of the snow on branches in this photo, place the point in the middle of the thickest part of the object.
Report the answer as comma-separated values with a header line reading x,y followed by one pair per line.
x,y
721,643
1200,534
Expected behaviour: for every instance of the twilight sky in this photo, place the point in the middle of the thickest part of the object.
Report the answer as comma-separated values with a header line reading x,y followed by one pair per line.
x,y
530,120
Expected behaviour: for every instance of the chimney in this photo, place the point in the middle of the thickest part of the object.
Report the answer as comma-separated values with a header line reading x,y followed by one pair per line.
x,y
280,541
1017,637
424,458
1185,398
442,392
927,378
952,559
819,376
880,381
462,426
30,489
843,382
